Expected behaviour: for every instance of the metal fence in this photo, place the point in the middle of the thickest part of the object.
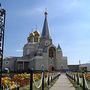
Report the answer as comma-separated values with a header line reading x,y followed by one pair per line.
x,y
44,81
79,79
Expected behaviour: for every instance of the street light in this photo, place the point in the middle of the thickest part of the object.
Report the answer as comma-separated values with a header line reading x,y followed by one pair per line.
x,y
2,29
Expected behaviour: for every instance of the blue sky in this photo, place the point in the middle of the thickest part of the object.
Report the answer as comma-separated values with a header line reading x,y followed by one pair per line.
x,y
69,25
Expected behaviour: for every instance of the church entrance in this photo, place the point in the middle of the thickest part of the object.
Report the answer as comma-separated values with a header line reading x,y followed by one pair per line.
x,y
51,68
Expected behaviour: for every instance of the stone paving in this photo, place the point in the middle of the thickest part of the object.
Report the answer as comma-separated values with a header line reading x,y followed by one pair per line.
x,y
62,83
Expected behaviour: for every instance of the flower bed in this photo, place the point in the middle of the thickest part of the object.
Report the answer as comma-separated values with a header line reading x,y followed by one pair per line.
x,y
21,80
17,80
87,76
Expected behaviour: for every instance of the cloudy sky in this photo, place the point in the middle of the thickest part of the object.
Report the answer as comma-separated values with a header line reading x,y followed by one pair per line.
x,y
69,25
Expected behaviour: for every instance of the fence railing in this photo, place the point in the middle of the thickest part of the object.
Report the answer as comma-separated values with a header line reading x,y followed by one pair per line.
x,y
43,82
79,79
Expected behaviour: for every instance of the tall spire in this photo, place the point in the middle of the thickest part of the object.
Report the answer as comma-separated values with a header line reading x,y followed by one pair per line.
x,y
45,31
0,5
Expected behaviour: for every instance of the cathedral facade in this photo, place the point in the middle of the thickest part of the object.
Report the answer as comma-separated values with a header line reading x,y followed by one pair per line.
x,y
38,53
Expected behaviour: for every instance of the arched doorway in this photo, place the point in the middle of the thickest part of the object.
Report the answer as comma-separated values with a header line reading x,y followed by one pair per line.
x,y
52,52
51,68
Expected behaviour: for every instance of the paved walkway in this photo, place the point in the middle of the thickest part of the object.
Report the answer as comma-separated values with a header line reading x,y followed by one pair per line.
x,y
62,84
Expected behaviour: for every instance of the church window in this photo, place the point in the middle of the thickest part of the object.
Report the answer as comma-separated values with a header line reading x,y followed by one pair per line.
x,y
35,39
61,67
52,52
40,54
35,54
6,62
45,50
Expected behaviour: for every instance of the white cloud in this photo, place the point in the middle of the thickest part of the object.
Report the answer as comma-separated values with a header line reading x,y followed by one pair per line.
x,y
74,3
29,12
19,50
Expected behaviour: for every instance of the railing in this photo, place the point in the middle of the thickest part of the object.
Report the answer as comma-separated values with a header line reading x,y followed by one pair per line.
x,y
45,81
48,80
80,80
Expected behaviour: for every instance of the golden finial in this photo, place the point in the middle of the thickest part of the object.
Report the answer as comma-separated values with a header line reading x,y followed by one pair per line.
x,y
36,28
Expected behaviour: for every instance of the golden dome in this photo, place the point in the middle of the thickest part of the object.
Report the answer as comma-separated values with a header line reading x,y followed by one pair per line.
x,y
36,33
31,34
34,36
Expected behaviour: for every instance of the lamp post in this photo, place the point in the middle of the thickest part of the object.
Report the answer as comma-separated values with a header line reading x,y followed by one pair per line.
x,y
31,79
2,29
43,77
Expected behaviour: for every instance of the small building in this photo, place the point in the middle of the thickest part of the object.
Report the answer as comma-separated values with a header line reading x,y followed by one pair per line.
x,y
85,67
73,68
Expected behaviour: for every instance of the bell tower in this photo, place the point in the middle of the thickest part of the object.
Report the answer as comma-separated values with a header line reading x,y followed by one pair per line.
x,y
45,36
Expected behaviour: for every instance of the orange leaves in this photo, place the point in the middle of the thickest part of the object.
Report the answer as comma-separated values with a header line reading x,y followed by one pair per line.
x,y
18,79
87,76
37,76
21,79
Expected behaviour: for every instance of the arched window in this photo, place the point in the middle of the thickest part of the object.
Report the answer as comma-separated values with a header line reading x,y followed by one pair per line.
x,y
52,52
35,39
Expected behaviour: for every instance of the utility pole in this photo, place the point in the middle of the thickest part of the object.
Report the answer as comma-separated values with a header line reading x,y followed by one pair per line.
x,y
2,29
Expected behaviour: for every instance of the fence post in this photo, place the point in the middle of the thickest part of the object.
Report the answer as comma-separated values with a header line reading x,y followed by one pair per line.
x,y
77,79
48,80
1,88
51,78
31,79
43,80
17,88
83,81
74,78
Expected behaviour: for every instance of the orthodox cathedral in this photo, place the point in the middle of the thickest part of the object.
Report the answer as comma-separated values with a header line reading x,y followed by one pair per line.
x,y
39,52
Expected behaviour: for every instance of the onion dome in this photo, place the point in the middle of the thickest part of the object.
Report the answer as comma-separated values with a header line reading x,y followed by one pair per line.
x,y
36,33
31,34
30,38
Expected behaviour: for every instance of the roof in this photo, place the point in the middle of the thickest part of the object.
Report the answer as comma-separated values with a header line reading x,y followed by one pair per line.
x,y
45,31
59,48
